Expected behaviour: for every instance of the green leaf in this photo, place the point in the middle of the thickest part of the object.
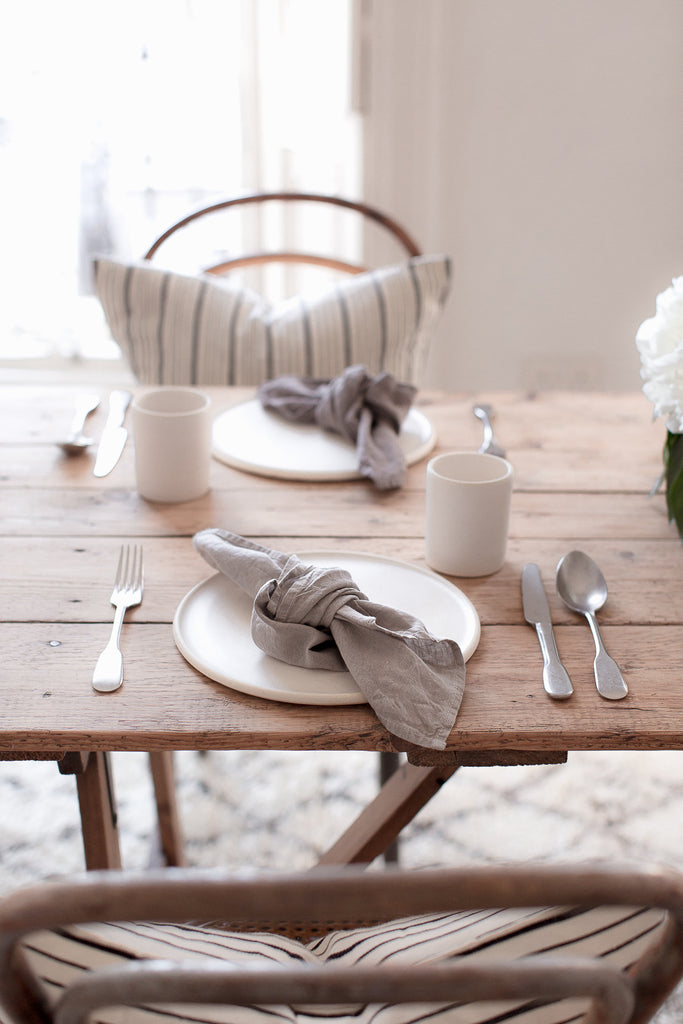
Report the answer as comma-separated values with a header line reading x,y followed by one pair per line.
x,y
673,461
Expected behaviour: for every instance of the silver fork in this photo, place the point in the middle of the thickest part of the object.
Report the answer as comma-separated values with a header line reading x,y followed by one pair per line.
x,y
127,592
489,445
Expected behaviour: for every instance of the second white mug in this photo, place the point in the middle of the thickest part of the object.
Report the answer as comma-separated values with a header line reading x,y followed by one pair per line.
x,y
467,512
172,437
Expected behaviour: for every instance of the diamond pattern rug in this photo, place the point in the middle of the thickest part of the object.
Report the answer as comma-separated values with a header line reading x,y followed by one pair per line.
x,y
280,810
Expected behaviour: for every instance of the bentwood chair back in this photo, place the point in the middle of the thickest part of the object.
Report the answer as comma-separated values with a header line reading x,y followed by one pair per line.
x,y
405,243
522,944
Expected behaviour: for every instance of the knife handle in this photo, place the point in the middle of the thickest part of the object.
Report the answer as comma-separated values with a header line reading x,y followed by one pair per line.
x,y
118,404
556,681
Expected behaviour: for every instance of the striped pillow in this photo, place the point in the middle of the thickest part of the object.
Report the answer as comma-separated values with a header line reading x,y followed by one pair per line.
x,y
619,934
177,329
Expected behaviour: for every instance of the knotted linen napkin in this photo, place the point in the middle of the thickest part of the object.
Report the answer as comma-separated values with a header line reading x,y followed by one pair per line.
x,y
367,411
318,618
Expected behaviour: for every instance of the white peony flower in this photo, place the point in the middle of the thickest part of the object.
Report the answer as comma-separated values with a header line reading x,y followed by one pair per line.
x,y
660,343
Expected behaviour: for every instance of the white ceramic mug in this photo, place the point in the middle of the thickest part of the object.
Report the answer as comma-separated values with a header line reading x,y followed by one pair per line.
x,y
172,436
467,513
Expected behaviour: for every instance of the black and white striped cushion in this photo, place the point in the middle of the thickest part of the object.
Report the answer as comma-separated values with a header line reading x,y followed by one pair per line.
x,y
178,329
619,934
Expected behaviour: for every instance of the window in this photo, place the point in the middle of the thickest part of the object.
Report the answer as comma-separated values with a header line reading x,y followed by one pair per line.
x,y
118,118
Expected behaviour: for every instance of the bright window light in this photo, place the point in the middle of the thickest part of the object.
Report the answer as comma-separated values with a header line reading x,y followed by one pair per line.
x,y
117,118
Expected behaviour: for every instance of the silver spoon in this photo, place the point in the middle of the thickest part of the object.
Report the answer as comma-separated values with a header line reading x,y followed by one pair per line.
x,y
582,587
77,443
489,445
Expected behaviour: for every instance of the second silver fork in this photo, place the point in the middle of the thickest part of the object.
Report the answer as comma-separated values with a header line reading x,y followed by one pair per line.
x,y
127,593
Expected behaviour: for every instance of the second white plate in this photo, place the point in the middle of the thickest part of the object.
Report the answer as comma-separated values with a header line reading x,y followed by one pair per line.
x,y
211,628
252,438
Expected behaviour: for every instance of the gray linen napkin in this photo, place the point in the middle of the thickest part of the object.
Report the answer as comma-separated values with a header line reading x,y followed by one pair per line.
x,y
318,618
366,410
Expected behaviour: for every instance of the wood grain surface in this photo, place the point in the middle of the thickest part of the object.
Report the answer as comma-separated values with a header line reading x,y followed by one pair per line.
x,y
584,464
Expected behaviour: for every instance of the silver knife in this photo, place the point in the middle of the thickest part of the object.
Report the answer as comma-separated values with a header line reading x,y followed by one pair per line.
x,y
114,435
556,681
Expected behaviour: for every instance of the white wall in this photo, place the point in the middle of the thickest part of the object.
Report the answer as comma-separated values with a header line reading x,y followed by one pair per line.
x,y
540,144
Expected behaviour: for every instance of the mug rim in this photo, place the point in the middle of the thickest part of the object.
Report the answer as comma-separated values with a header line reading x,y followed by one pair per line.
x,y
201,401
480,458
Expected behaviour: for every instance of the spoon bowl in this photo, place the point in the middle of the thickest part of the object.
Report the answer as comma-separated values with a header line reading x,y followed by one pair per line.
x,y
582,587
580,583
76,445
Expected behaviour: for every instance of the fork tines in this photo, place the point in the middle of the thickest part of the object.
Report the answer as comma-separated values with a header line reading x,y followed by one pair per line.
x,y
129,570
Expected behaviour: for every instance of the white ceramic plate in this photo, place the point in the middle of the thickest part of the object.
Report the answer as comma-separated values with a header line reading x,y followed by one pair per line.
x,y
211,628
252,438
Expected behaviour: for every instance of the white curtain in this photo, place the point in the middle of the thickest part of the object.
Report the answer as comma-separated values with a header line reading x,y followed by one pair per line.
x,y
120,116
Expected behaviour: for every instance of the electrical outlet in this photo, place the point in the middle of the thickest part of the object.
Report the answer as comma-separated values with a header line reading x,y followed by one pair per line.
x,y
543,372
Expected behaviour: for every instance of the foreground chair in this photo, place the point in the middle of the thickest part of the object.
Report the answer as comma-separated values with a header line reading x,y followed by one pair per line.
x,y
533,945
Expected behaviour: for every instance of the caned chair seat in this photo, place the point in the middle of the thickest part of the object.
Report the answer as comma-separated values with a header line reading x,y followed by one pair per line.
x,y
477,945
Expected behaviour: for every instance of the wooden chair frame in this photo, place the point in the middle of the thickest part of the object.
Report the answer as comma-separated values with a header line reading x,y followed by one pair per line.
x,y
169,982
326,898
371,212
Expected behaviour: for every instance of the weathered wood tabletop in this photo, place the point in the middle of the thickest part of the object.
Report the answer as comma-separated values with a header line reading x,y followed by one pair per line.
x,y
584,464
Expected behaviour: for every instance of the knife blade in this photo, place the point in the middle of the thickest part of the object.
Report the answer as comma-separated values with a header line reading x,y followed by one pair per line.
x,y
556,681
114,435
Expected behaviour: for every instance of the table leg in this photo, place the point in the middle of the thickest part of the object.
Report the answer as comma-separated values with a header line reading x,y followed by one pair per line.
x,y
397,803
98,808
170,834
389,762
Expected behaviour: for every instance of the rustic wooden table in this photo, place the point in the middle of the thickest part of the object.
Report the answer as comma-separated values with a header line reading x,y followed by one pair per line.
x,y
584,463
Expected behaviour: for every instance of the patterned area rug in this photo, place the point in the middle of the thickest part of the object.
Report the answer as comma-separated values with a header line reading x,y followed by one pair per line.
x,y
281,810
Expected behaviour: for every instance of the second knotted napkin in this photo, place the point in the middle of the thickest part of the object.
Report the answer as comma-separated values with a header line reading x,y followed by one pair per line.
x,y
366,410
318,618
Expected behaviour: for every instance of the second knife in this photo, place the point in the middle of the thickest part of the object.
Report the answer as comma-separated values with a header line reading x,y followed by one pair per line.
x,y
114,436
556,681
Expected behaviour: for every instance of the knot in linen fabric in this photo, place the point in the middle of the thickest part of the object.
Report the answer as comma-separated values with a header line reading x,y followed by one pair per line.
x,y
292,615
343,400
366,410
305,593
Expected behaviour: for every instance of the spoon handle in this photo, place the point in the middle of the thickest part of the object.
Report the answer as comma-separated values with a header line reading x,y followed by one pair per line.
x,y
83,407
608,678
489,444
